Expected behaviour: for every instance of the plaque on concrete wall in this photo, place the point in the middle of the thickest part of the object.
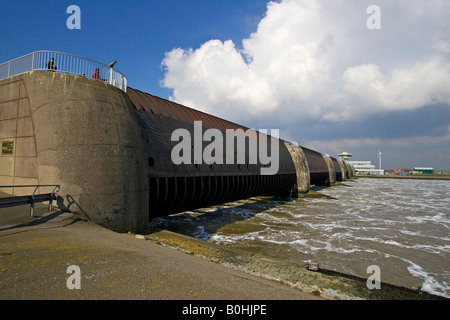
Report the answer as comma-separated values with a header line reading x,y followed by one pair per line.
x,y
7,148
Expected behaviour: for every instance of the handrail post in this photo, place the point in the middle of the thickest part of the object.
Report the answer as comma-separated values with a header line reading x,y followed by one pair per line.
x,y
31,206
52,196
50,202
110,75
32,202
32,62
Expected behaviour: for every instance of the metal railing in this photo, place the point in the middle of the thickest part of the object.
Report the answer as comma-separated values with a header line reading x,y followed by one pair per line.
x,y
63,63
30,199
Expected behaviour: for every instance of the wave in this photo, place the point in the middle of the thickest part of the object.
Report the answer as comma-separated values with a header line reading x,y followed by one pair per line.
x,y
401,224
430,284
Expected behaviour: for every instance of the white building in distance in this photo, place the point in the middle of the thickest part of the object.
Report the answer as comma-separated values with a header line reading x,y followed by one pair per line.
x,y
361,167
345,156
365,167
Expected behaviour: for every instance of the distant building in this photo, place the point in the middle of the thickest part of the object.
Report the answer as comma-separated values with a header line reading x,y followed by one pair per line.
x,y
365,167
345,156
423,170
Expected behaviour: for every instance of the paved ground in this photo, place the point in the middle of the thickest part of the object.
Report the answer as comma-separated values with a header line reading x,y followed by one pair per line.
x,y
35,254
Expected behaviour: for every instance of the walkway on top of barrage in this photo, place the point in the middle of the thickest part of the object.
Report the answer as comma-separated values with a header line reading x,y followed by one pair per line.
x,y
46,60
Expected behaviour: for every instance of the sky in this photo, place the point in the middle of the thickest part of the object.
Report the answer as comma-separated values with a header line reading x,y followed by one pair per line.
x,y
334,75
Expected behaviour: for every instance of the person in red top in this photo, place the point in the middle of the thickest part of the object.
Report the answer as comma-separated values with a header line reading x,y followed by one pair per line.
x,y
96,74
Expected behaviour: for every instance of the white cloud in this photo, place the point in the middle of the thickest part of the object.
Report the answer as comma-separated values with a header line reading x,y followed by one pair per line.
x,y
440,43
422,84
442,46
407,143
316,61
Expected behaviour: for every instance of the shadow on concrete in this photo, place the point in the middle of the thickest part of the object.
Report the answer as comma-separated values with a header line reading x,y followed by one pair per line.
x,y
204,223
37,220
70,204
18,217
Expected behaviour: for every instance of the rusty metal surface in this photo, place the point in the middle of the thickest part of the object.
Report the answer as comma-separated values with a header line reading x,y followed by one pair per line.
x,y
337,168
318,169
176,188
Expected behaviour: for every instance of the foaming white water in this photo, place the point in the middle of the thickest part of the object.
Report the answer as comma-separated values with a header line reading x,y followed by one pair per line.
x,y
430,284
402,226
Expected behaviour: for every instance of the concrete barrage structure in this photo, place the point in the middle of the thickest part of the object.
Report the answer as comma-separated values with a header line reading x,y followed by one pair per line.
x,y
180,187
110,152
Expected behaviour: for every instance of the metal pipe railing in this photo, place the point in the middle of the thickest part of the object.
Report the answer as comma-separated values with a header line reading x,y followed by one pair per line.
x,y
31,198
63,63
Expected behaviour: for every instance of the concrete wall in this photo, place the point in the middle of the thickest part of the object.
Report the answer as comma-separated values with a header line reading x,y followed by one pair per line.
x,y
302,170
343,170
331,171
18,158
97,141
80,134
349,170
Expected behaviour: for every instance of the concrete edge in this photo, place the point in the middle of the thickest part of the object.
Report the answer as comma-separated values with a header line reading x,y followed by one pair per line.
x,y
327,284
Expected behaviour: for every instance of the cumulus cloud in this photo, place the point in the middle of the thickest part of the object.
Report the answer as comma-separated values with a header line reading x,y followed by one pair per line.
x,y
424,83
315,60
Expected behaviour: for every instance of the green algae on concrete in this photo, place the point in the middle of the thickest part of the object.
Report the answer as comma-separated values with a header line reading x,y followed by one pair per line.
x,y
327,284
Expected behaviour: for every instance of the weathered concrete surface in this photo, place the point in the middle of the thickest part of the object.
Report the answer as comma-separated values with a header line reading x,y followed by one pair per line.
x,y
349,169
35,255
301,169
343,170
18,157
331,171
80,134
157,265
322,283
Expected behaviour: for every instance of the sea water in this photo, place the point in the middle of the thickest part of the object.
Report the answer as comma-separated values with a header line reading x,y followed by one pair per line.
x,y
400,225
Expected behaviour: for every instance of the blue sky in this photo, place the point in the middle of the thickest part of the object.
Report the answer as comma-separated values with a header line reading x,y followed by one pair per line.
x,y
136,33
312,69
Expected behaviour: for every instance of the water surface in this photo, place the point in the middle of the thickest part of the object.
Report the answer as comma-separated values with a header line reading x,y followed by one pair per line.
x,y
402,226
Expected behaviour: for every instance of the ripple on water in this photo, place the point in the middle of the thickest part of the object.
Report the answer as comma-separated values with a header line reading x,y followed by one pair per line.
x,y
400,225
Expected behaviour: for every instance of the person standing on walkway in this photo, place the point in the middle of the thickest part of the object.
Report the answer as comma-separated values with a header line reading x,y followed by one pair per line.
x,y
51,65
96,74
